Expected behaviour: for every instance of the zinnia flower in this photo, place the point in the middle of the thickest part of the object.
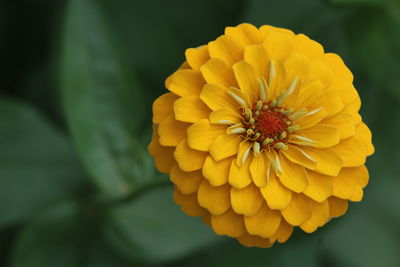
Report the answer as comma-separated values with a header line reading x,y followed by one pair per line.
x,y
260,133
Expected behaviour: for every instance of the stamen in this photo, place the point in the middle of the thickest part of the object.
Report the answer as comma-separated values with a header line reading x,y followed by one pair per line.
x,y
283,135
267,141
282,97
273,103
227,122
276,165
307,156
256,148
298,114
302,138
312,112
236,97
292,86
246,155
263,86
250,132
259,105
281,145
235,131
248,114
293,128
272,71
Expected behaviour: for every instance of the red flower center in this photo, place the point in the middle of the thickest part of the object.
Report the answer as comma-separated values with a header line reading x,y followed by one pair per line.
x,y
270,123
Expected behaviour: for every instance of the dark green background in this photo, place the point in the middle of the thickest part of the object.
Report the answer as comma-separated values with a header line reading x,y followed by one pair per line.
x,y
77,80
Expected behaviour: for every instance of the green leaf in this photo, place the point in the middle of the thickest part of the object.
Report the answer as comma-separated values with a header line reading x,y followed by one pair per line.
x,y
65,235
103,104
153,229
37,164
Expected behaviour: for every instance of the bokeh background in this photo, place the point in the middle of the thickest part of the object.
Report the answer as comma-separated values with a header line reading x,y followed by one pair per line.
x,y
77,185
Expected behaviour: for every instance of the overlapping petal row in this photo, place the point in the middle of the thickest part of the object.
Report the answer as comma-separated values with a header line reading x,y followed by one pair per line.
x,y
260,133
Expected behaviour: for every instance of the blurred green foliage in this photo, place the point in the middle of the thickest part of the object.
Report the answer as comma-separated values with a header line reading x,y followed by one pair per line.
x,y
77,186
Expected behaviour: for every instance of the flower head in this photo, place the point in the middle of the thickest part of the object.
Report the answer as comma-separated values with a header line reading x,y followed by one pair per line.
x,y
260,133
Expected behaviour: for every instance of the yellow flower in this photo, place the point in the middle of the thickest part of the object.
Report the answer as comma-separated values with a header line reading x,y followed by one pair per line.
x,y
260,133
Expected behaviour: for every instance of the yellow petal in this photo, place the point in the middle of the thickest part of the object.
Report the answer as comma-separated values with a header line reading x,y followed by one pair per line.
x,y
225,146
216,172
196,57
346,182
172,131
240,177
185,82
357,195
266,29
352,110
308,47
225,48
244,34
190,109
345,90
298,211
319,186
311,118
343,122
279,45
258,58
365,135
309,94
337,66
225,116
320,71
216,98
188,204
337,206
277,196
352,151
283,233
323,135
186,182
163,156
163,106
247,79
364,177
228,223
216,71
246,201
328,161
298,156
248,240
258,169
293,176
264,223
320,215
202,134
187,158
277,78
297,65
215,199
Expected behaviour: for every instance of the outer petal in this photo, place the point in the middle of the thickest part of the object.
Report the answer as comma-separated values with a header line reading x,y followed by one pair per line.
x,y
163,156
246,201
298,211
279,45
196,57
225,146
244,34
346,182
215,199
264,223
337,206
225,116
344,123
247,79
189,204
319,186
331,102
228,223
319,70
185,82
248,240
337,65
297,65
240,177
308,47
187,158
277,196
202,134
293,176
216,172
309,94
190,109
298,156
345,90
186,182
283,233
365,135
163,106
226,49
171,131
217,71
352,151
320,215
